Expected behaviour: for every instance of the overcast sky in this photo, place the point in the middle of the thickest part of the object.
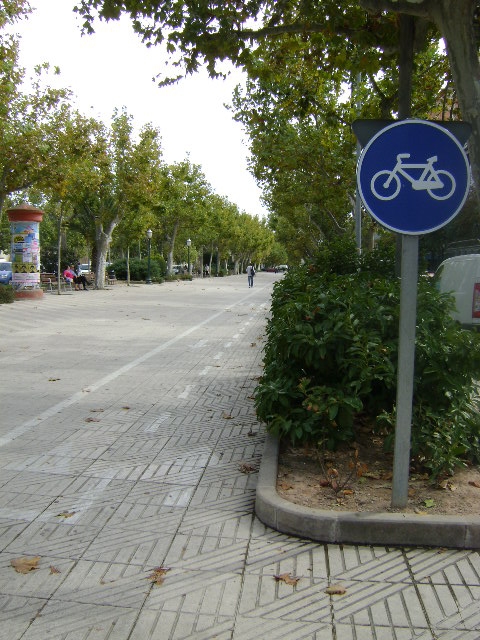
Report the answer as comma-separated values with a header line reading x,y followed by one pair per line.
x,y
112,69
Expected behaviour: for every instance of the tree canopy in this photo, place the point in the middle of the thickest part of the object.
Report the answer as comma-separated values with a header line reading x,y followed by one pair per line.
x,y
358,36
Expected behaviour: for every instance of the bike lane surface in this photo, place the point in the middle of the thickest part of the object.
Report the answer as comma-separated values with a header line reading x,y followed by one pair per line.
x,y
128,472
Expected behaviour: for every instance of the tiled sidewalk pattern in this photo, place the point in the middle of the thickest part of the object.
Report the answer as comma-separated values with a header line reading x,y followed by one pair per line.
x,y
151,464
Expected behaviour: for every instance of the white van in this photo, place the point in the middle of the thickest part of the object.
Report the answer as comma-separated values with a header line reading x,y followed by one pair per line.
x,y
460,275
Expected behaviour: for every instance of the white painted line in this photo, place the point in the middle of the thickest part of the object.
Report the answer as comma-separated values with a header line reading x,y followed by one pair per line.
x,y
186,392
79,395
199,344
205,371
153,427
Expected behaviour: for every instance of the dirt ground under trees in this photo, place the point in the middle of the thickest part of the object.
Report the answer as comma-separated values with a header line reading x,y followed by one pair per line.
x,y
359,478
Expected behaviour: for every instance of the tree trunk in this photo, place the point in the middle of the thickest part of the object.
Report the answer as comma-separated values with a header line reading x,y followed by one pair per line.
x,y
171,249
201,260
102,243
59,252
456,23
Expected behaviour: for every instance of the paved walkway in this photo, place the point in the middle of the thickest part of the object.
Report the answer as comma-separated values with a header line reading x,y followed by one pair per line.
x,y
128,459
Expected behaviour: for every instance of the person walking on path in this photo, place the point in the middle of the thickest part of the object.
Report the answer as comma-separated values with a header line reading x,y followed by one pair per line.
x,y
250,274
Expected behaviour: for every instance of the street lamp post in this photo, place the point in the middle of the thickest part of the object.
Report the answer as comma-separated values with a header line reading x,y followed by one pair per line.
x,y
189,243
149,236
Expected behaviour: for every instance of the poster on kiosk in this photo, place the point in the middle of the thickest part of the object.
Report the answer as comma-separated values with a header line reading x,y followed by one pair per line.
x,y
25,254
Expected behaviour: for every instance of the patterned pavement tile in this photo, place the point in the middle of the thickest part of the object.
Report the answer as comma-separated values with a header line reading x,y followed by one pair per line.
x,y
247,628
450,634
60,540
61,620
42,582
150,517
381,605
22,506
51,464
171,625
367,563
17,613
162,494
223,498
136,544
194,604
378,632
272,555
230,524
209,554
443,566
105,583
39,484
10,529
464,609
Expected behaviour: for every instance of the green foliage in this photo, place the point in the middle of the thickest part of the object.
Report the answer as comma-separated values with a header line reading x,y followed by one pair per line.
x,y
6,294
49,258
139,269
331,356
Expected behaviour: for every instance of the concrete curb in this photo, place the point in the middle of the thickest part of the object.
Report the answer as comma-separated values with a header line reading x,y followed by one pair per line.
x,y
350,527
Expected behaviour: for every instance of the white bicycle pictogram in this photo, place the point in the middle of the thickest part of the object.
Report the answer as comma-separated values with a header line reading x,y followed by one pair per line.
x,y
386,184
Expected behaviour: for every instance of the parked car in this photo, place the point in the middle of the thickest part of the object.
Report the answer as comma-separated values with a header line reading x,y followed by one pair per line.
x,y
84,269
282,267
460,275
5,272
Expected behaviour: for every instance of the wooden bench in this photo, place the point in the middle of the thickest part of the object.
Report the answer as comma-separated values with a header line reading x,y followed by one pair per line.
x,y
49,282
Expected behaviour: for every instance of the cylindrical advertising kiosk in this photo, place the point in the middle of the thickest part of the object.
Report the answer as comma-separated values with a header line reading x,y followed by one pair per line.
x,y
25,252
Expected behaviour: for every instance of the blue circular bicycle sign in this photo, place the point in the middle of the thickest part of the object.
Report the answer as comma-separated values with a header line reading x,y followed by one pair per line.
x,y
413,176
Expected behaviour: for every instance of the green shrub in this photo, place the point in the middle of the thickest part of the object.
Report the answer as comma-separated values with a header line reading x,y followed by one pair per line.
x,y
6,294
139,269
331,357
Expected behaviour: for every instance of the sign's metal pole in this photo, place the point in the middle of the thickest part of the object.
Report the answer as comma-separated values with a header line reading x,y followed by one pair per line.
x,y
406,361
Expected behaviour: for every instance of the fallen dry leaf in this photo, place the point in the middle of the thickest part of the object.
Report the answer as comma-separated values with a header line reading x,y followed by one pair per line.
x,y
474,483
24,564
53,379
335,590
126,408
97,410
227,416
66,514
158,575
54,569
246,468
90,419
287,579
447,484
